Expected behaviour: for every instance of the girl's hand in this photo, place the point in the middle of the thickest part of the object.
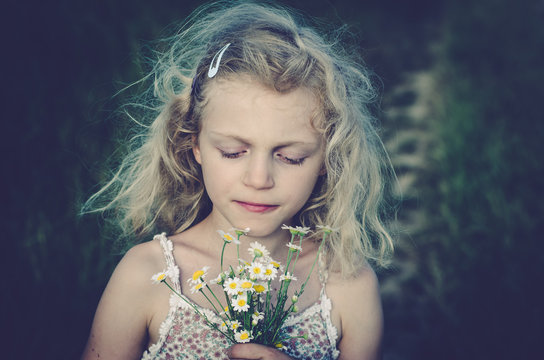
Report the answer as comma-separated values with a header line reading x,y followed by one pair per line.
x,y
256,352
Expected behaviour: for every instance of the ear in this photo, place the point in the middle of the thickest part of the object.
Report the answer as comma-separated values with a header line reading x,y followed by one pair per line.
x,y
323,170
196,149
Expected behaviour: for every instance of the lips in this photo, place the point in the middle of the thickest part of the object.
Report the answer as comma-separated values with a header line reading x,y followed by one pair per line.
x,y
255,207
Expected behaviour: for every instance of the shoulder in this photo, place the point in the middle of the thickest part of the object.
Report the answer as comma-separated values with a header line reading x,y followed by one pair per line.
x,y
142,258
120,325
356,302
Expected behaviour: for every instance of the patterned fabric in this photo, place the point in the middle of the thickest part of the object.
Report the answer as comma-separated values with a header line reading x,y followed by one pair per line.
x,y
185,335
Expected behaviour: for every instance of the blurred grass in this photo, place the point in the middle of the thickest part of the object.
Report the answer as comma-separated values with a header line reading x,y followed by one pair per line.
x,y
485,262
480,274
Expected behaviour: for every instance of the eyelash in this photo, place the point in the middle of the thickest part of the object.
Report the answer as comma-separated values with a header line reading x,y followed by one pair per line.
x,y
286,159
227,155
290,161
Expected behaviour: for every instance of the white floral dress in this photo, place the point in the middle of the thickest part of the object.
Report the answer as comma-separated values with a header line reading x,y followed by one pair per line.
x,y
185,335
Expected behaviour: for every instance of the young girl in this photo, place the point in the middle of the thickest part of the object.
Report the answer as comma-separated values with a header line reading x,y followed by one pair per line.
x,y
260,123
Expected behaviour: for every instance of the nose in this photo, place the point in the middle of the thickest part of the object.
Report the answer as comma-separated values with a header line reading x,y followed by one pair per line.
x,y
259,173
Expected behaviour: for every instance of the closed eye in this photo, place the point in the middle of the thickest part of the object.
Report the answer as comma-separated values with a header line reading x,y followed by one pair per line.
x,y
291,161
232,155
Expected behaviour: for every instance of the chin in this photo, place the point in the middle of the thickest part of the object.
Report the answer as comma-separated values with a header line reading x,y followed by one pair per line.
x,y
261,230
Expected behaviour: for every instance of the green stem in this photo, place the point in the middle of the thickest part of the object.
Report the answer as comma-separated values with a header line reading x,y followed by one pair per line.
x,y
233,340
219,302
211,303
298,253
313,265
238,247
222,252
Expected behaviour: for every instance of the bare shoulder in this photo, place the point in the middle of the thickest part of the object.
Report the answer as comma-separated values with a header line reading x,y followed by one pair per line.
x,y
119,329
357,305
141,259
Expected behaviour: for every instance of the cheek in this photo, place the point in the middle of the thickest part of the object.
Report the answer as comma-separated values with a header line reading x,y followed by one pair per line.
x,y
301,187
217,177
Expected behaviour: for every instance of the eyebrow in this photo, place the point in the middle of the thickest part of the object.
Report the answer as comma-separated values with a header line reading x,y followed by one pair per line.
x,y
247,142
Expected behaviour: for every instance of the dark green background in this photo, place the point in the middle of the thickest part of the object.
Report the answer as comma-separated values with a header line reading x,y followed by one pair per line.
x,y
478,289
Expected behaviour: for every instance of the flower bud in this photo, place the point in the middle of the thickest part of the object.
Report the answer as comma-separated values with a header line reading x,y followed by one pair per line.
x,y
294,299
295,308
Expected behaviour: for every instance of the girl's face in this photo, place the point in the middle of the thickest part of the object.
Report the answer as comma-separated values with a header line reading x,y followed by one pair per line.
x,y
260,155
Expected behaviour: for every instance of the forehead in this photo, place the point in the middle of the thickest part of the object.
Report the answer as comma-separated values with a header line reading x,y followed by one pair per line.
x,y
247,103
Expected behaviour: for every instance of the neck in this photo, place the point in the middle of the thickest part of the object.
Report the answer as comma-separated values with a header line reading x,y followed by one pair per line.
x,y
275,242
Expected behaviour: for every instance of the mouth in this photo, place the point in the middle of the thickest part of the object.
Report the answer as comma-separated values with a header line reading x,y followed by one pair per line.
x,y
256,208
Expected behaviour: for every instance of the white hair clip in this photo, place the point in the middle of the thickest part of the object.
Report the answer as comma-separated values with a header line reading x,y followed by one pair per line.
x,y
214,66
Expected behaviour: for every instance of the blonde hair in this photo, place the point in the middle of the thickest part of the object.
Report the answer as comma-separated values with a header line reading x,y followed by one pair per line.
x,y
159,185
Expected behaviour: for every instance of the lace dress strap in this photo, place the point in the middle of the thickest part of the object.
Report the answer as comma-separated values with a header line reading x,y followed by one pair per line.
x,y
326,306
171,268
322,272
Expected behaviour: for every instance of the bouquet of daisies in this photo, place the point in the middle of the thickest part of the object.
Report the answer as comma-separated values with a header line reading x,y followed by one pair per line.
x,y
249,312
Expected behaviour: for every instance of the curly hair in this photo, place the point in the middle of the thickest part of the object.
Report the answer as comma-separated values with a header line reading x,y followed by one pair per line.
x,y
159,185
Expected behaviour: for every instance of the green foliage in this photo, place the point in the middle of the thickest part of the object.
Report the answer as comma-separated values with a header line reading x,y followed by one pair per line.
x,y
489,183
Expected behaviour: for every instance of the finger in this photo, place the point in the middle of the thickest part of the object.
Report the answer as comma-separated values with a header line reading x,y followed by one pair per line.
x,y
251,351
248,351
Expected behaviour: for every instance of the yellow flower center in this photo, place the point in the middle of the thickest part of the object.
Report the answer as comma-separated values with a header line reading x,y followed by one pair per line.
x,y
198,286
232,285
244,336
241,302
234,326
161,277
268,272
259,288
198,274
228,237
275,264
246,285
257,270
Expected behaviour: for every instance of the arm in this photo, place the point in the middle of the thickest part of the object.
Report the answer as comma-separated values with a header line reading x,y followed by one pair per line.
x,y
359,304
119,329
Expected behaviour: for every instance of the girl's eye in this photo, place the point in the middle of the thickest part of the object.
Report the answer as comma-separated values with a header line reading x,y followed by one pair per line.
x,y
291,161
233,155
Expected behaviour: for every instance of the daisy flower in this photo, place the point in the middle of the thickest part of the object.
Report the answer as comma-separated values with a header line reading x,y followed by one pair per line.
x,y
257,316
199,274
296,230
241,232
235,324
232,286
159,277
256,269
293,248
239,303
243,336
270,272
287,277
224,325
326,229
228,238
259,288
257,250
219,279
246,285
197,287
